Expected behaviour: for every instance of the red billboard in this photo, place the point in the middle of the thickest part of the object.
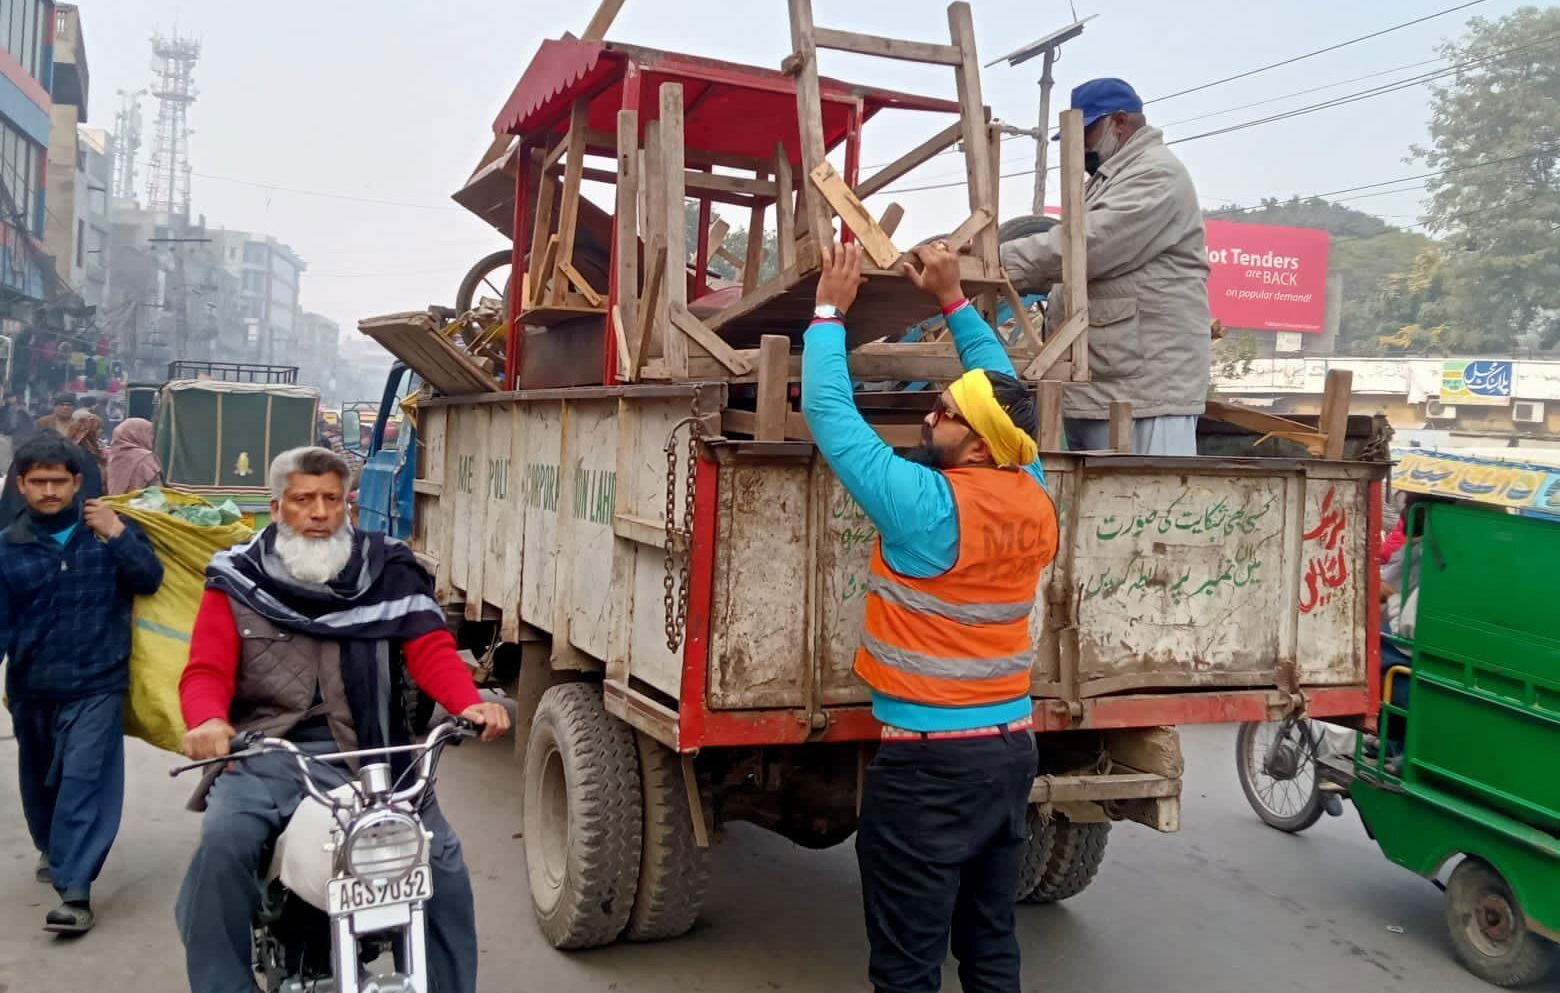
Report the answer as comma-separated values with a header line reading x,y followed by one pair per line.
x,y
1262,276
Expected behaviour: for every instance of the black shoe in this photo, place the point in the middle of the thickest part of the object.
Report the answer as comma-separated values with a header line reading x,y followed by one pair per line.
x,y
70,917
43,875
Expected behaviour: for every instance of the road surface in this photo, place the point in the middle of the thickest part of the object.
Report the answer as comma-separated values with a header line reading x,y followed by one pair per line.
x,y
1226,906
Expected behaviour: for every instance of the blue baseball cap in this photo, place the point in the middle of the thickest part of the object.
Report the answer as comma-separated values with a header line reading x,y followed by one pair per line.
x,y
1099,97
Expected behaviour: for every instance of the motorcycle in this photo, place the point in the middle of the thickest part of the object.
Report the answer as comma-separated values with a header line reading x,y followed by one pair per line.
x,y
1284,770
349,878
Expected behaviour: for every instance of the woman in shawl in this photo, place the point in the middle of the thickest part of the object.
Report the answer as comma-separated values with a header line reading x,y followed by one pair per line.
x,y
131,463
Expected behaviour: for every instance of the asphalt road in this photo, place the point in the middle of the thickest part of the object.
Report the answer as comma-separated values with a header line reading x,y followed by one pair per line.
x,y
1226,906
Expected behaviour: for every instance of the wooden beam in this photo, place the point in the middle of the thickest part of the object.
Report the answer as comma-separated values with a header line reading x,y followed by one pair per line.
x,y
785,208
879,246
1075,234
649,304
601,21
746,422
549,274
569,206
753,264
1121,427
1259,421
541,231
774,394
1020,313
734,199
627,220
972,112
892,215
887,48
967,232
717,237
942,140
713,343
1048,407
592,298
809,117
620,334
1058,346
652,183
674,347
908,361
1334,423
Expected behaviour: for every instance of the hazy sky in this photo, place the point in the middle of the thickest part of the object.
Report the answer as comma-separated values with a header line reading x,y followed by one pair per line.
x,y
393,100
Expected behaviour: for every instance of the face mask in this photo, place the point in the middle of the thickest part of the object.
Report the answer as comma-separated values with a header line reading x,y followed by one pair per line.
x,y
1109,145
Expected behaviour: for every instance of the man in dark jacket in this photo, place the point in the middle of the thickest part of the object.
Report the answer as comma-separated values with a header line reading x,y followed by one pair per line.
x,y
69,573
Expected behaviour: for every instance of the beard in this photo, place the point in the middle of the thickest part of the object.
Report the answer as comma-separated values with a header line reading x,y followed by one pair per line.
x,y
927,453
313,560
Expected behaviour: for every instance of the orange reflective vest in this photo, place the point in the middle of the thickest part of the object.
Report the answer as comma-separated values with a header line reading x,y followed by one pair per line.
x,y
961,639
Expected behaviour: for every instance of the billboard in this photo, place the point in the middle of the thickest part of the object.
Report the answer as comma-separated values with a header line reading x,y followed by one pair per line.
x,y
1267,277
1476,382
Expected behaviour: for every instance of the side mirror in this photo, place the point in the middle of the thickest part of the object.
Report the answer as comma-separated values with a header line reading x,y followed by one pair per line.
x,y
351,430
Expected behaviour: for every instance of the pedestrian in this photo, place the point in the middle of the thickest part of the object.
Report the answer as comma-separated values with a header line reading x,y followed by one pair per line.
x,y
12,502
86,430
69,571
58,420
301,634
965,528
132,465
1148,280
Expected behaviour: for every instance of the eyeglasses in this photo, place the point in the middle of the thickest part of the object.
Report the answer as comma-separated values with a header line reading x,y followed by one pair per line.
x,y
943,412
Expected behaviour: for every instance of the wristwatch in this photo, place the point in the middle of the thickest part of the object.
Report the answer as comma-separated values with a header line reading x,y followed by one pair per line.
x,y
827,312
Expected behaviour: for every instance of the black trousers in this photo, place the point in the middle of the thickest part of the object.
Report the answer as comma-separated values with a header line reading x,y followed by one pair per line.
x,y
941,838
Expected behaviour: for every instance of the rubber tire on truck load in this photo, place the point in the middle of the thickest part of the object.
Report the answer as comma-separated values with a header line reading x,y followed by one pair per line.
x,y
583,818
673,870
1519,957
1022,227
1075,853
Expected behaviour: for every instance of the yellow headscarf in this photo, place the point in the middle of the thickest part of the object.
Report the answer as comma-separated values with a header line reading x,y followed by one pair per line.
x,y
1010,446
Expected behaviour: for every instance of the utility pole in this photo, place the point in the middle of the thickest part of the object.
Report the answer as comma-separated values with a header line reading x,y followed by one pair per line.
x,y
1048,47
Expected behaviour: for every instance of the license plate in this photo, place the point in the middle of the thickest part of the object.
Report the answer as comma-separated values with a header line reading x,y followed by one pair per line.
x,y
348,895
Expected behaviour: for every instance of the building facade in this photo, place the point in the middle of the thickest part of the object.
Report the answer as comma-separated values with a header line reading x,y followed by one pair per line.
x,y
26,106
269,275
318,353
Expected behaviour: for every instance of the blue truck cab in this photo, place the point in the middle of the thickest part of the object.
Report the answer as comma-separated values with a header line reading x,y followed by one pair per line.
x,y
385,489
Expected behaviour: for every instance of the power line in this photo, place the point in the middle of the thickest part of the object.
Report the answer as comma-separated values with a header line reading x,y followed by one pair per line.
x,y
1300,93
274,188
1320,51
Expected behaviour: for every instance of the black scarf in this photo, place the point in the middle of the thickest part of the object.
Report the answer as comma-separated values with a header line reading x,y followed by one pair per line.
x,y
381,599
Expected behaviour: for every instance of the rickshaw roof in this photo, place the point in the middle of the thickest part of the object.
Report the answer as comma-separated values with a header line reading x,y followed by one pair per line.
x,y
731,109
224,386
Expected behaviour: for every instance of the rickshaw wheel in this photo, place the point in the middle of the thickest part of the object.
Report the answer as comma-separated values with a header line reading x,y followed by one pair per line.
x,y
1489,930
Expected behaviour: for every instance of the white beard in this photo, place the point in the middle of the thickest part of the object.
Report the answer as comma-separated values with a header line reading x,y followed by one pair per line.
x,y
313,560
1109,145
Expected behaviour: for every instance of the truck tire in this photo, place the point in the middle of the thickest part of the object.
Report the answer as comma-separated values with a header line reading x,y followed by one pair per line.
x,y
673,869
1076,851
1037,854
582,818
1022,227
1489,930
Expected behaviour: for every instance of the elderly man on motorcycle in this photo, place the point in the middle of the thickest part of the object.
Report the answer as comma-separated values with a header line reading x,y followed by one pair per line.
x,y
307,632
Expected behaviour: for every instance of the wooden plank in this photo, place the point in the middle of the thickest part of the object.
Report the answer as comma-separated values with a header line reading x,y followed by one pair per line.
x,y
892,215
879,246
652,184
627,220
785,210
753,264
550,284
971,229
1267,425
887,48
937,143
1075,251
674,347
601,21
592,298
620,335
649,305
1121,427
1057,346
1117,786
1021,313
1048,405
707,190
910,361
569,206
716,241
774,399
809,117
1334,423
972,113
746,422
541,230
713,343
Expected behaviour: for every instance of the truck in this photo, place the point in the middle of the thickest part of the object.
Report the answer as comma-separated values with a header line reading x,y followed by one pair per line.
x,y
635,536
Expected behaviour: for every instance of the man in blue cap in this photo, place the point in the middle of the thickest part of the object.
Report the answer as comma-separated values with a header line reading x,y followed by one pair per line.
x,y
1148,280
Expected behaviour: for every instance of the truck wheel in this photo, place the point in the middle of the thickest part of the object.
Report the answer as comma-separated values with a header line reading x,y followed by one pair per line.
x,y
1076,851
1037,854
582,818
673,869
1489,930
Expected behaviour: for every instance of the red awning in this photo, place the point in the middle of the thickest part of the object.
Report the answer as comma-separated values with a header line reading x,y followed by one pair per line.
x,y
729,109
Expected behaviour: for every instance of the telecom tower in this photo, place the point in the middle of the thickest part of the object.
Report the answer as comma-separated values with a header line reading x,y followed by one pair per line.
x,y
127,143
168,186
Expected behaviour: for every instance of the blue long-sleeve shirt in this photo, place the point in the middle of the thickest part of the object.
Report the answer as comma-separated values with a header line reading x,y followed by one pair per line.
x,y
911,504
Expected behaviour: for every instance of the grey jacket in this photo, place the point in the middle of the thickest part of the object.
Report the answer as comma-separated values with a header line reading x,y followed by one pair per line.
x,y
1148,284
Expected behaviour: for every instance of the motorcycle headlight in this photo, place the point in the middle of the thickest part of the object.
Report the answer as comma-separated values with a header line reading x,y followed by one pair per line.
x,y
386,844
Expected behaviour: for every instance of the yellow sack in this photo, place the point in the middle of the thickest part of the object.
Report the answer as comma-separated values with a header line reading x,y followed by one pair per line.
x,y
160,636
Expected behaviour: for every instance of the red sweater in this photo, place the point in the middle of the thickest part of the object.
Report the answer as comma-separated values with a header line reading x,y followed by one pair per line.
x,y
206,688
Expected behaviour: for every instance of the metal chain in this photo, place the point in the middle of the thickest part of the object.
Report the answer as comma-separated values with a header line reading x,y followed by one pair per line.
x,y
675,597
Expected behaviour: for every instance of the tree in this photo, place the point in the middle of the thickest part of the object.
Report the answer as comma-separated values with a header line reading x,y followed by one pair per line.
x,y
735,243
1495,194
